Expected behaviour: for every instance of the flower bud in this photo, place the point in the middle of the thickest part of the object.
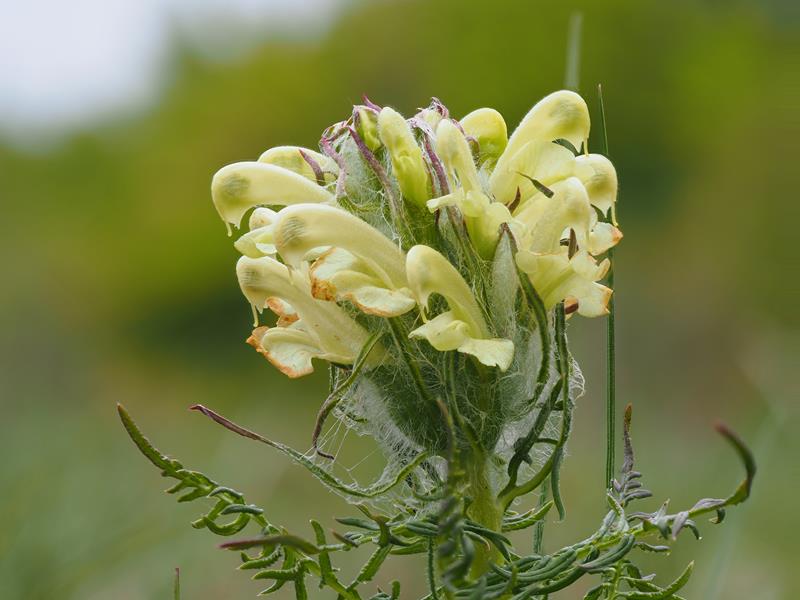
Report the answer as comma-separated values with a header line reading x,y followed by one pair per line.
x,y
312,165
408,164
367,127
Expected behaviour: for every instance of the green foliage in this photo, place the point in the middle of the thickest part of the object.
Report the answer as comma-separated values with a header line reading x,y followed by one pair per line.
x,y
449,537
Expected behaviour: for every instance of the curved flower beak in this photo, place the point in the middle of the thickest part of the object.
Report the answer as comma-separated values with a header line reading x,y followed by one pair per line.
x,y
336,336
259,240
312,165
557,277
488,128
408,164
482,216
241,186
305,227
362,265
461,328
561,115
600,179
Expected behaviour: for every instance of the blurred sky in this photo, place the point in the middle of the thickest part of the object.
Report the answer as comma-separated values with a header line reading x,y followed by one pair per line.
x,y
68,64
120,286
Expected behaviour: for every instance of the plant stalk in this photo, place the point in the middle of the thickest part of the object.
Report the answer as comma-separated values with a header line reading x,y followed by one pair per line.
x,y
484,510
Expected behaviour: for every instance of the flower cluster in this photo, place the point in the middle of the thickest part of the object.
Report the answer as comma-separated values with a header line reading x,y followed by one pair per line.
x,y
403,218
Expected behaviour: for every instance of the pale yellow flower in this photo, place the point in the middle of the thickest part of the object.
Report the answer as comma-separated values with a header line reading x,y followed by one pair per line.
x,y
364,266
461,328
321,330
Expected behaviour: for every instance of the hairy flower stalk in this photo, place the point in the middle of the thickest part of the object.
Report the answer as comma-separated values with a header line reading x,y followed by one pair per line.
x,y
418,231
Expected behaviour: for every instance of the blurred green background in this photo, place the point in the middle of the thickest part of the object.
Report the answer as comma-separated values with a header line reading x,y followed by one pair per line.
x,y
119,282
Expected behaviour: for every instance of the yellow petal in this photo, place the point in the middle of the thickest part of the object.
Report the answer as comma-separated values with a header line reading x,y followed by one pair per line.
x,y
488,128
334,331
600,179
292,158
261,217
290,350
453,149
541,160
286,313
257,242
429,272
305,227
560,115
549,218
556,277
495,352
367,127
239,187
602,237
338,275
445,332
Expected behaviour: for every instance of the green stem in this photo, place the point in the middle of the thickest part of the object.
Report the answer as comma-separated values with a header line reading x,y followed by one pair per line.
x,y
611,377
484,510
611,399
432,571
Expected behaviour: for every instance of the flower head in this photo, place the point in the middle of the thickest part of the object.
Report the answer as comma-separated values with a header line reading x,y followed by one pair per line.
x,y
415,236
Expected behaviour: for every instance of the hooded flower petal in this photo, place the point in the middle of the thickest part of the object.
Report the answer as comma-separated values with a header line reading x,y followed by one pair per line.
x,y
463,327
561,115
312,165
488,128
408,165
600,179
337,336
556,277
305,227
239,187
